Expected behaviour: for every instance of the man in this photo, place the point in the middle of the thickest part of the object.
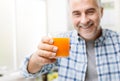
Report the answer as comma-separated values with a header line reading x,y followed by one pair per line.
x,y
94,52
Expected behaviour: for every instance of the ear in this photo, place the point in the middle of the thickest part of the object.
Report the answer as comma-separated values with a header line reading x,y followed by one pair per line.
x,y
101,11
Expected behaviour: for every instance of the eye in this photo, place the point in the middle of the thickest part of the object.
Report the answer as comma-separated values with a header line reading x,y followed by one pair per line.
x,y
76,14
90,11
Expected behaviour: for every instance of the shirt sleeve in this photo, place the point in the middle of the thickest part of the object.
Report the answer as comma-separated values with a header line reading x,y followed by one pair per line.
x,y
26,74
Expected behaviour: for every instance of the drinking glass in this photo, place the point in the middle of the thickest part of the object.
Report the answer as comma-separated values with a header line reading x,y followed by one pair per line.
x,y
62,41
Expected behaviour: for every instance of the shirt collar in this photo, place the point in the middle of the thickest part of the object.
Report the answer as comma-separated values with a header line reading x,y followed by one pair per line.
x,y
102,37
77,38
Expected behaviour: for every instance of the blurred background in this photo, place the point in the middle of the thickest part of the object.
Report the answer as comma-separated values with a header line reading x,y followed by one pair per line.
x,y
24,22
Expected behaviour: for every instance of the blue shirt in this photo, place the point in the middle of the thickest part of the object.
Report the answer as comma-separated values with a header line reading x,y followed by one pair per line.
x,y
73,68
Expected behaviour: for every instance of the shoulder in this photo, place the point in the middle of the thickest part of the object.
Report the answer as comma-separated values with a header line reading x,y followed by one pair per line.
x,y
111,36
111,33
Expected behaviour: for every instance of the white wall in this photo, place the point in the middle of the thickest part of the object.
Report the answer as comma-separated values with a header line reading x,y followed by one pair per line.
x,y
111,16
117,15
7,23
57,15
31,26
35,18
23,23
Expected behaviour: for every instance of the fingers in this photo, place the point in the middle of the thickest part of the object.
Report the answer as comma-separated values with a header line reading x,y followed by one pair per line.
x,y
46,44
47,47
43,61
46,54
47,40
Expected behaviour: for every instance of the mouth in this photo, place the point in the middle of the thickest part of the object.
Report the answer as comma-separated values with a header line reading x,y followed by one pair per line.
x,y
90,24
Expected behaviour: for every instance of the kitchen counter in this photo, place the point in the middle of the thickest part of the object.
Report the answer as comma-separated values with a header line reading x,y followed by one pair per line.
x,y
15,76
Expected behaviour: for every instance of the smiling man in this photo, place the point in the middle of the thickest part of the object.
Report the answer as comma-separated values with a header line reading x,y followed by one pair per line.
x,y
86,16
94,51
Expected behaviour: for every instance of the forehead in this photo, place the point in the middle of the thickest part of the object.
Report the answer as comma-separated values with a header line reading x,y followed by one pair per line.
x,y
83,3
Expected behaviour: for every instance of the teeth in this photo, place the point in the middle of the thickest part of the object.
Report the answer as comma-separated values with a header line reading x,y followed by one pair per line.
x,y
85,26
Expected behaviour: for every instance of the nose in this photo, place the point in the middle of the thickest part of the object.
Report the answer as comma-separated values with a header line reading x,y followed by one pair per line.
x,y
84,19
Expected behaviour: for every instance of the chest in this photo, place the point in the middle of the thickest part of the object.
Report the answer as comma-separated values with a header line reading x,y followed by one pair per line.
x,y
107,61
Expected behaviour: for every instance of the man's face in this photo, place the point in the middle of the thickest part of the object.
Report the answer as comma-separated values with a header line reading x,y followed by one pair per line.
x,y
86,15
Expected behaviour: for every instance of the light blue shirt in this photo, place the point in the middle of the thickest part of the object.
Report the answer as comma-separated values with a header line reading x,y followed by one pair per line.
x,y
73,68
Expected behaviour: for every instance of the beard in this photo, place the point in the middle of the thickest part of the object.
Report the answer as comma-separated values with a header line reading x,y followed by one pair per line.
x,y
89,32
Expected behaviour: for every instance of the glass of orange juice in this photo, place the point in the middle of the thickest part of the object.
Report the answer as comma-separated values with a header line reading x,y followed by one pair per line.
x,y
63,44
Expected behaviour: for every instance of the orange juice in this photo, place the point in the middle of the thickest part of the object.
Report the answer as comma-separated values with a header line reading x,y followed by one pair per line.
x,y
63,45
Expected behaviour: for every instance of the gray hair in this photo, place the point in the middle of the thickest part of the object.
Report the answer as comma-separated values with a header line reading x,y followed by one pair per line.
x,y
98,1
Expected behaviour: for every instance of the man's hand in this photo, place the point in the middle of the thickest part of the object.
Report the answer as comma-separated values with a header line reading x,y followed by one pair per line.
x,y
45,54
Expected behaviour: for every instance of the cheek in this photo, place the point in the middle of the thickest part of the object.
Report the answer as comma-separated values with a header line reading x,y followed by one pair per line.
x,y
75,21
96,19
